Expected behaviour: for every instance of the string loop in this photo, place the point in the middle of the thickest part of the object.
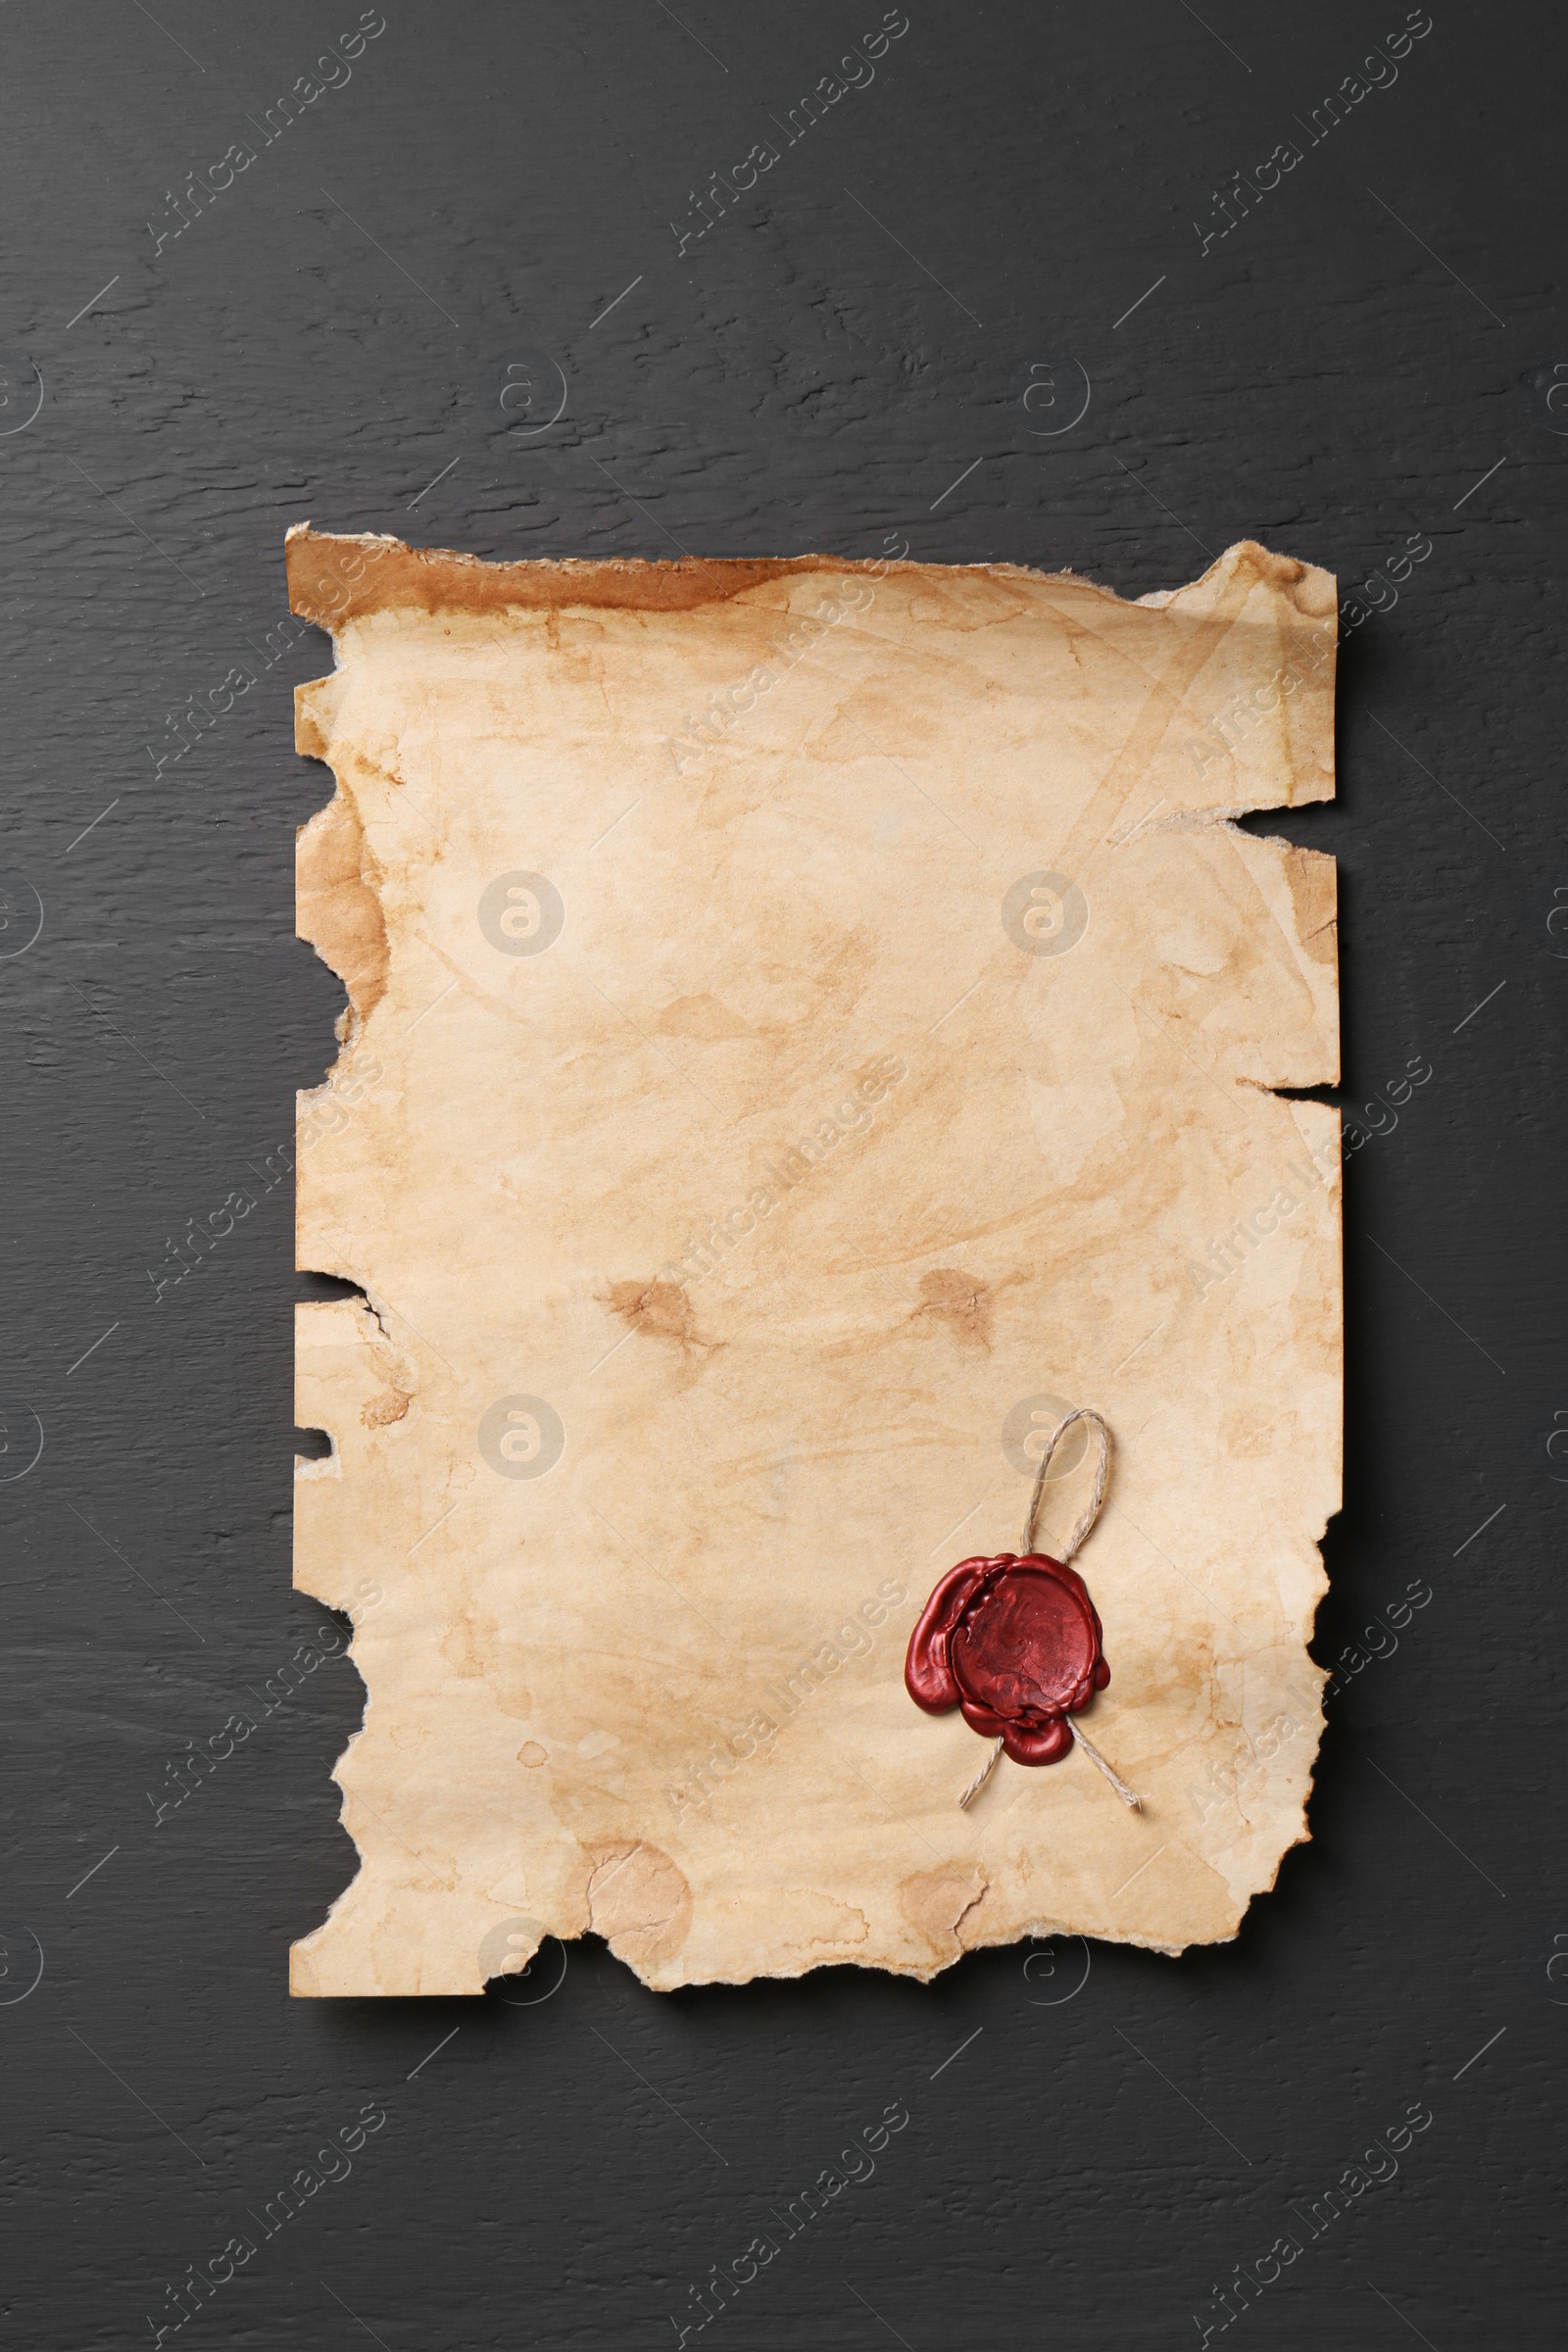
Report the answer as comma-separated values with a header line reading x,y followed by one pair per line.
x,y
1082,1531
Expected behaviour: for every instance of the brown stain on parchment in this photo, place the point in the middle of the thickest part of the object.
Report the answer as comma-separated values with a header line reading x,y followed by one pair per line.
x,y
400,1384
704,1019
639,1901
461,1649
480,1646
383,1410
660,1310
939,1901
337,901
335,577
1315,894
961,1303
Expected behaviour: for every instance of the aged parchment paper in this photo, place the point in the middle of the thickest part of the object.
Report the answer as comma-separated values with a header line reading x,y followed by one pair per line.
x,y
811,1023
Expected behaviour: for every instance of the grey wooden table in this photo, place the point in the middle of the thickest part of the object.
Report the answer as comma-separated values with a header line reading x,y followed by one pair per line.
x,y
1105,288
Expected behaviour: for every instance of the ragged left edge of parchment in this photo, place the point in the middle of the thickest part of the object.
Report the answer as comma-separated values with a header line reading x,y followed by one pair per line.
x,y
811,1023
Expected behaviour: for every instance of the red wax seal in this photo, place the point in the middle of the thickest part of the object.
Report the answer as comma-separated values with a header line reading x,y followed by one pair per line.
x,y
1015,1642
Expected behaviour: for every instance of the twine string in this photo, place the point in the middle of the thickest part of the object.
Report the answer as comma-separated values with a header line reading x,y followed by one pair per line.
x,y
1080,1534
1129,1796
993,1759
1085,1526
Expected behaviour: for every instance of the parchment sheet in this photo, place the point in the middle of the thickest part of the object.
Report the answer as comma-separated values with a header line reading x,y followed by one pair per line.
x,y
811,1023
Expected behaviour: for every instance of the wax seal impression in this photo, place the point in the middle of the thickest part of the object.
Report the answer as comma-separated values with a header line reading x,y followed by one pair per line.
x,y
1014,1642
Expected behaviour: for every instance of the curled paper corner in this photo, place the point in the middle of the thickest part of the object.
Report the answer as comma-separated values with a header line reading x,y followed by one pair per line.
x,y
808,1020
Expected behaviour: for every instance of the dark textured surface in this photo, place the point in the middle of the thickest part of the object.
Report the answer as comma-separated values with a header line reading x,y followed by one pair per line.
x,y
324,339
